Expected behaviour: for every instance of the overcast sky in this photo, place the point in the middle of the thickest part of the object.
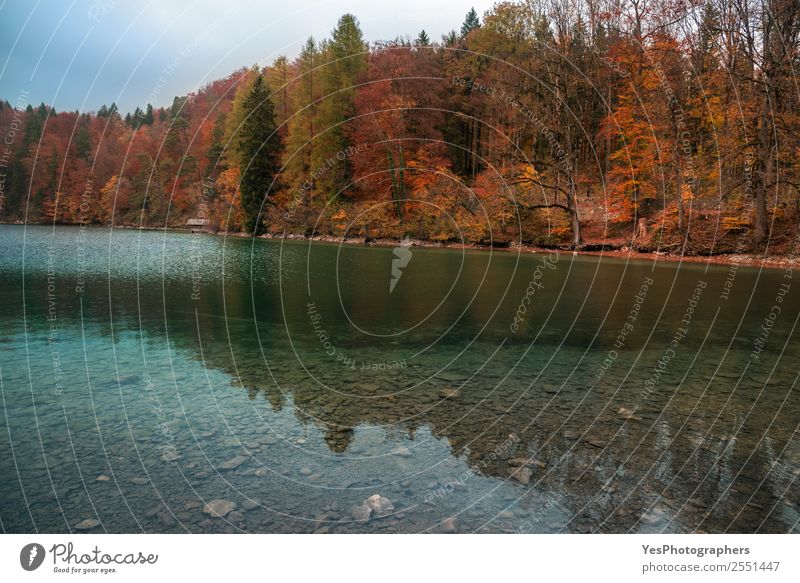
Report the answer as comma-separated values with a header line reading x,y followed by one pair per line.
x,y
81,54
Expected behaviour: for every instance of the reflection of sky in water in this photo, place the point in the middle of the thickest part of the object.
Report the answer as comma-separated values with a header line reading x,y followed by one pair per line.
x,y
472,414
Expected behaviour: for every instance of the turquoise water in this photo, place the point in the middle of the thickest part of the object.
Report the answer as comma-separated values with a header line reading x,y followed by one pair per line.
x,y
509,393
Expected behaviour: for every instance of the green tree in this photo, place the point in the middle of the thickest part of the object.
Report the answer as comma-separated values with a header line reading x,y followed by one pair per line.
x,y
83,145
471,22
422,40
259,150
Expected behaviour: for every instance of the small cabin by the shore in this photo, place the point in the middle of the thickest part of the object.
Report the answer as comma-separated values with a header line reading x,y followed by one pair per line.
x,y
199,225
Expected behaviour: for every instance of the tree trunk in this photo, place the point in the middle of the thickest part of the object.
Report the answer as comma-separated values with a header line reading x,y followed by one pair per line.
x,y
683,227
760,227
574,218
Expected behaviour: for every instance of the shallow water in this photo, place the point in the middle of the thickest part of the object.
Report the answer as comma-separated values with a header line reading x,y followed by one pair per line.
x,y
289,379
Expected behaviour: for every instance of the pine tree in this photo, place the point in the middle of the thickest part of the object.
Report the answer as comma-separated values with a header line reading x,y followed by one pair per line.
x,y
83,145
450,39
422,40
471,22
259,150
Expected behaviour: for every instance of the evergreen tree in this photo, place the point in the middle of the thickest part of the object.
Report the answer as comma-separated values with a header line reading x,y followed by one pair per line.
x,y
259,150
471,22
137,119
450,39
215,155
83,145
423,40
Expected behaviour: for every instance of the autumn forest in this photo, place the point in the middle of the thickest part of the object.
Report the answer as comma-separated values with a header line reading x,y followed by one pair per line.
x,y
655,125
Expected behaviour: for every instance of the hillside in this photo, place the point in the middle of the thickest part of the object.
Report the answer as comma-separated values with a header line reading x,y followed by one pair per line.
x,y
654,130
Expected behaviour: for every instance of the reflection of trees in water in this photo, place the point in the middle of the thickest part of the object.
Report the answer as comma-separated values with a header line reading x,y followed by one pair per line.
x,y
700,480
671,460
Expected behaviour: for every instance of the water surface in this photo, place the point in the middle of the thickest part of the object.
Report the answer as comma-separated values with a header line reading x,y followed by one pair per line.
x,y
512,393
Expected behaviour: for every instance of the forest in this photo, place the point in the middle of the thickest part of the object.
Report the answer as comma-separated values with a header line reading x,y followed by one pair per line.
x,y
655,125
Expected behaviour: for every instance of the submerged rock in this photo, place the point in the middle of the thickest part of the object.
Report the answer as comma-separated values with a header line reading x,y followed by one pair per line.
x,y
250,504
219,508
594,442
402,451
87,524
451,377
170,455
103,478
362,512
233,463
526,462
449,393
376,505
380,505
450,525
628,414
522,475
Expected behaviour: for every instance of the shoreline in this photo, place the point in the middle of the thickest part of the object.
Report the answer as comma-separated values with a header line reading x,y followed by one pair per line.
x,y
740,260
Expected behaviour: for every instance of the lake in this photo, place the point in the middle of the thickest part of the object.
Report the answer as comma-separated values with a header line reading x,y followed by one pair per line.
x,y
145,374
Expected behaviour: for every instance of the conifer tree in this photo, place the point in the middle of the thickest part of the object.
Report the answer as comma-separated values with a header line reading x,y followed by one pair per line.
x,y
259,150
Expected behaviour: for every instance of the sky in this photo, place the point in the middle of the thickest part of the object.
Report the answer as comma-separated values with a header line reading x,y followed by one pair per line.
x,y
81,54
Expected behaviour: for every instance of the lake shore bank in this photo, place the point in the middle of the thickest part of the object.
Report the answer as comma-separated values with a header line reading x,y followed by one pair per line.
x,y
776,261
743,259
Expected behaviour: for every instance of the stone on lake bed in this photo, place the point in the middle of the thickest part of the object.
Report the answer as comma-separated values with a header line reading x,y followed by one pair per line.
x,y
449,393
402,451
361,512
87,524
305,471
451,376
219,508
233,463
594,442
170,455
450,526
628,414
526,462
522,475
139,481
103,478
380,504
250,504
